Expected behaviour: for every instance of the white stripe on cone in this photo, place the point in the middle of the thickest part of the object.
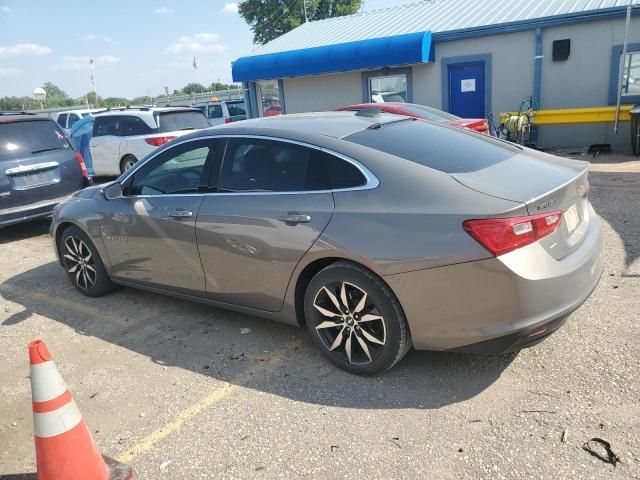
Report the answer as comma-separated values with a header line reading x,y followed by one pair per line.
x,y
57,422
46,382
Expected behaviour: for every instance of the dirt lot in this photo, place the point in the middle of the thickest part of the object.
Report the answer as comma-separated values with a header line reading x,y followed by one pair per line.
x,y
178,391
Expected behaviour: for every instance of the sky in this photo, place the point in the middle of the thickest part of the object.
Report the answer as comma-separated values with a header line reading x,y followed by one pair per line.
x,y
139,46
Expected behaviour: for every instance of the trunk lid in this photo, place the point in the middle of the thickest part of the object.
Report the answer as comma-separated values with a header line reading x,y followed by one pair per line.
x,y
544,183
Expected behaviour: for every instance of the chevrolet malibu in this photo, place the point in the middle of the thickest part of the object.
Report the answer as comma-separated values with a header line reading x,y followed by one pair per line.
x,y
375,232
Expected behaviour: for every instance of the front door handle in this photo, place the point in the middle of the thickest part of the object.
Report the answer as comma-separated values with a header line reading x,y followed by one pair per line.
x,y
180,213
295,218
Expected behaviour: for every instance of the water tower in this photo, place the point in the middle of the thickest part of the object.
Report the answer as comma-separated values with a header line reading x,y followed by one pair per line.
x,y
40,94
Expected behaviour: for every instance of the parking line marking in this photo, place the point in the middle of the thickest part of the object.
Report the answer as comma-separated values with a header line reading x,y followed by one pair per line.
x,y
214,396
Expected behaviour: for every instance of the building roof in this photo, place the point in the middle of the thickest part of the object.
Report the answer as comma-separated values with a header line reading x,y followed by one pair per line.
x,y
446,20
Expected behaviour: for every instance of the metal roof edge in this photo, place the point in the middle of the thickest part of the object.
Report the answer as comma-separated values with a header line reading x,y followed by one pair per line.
x,y
532,24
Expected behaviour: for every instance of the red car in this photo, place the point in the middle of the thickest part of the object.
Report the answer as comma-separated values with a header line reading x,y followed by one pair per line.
x,y
420,111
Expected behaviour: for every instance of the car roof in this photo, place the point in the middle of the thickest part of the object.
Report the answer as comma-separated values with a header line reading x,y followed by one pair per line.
x,y
142,110
330,124
10,117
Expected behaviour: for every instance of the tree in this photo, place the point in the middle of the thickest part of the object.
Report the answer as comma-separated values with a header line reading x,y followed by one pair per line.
x,y
269,19
56,97
217,86
193,87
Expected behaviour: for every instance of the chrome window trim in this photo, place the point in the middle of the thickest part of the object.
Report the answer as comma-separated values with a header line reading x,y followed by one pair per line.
x,y
371,181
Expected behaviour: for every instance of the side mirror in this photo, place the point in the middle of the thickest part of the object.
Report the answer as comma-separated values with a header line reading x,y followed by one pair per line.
x,y
112,192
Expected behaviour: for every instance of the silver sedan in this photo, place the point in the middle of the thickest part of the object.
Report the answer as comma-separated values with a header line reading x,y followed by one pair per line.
x,y
375,232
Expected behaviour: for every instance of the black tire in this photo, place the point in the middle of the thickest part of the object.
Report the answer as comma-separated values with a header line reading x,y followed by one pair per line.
x,y
358,325
127,162
83,264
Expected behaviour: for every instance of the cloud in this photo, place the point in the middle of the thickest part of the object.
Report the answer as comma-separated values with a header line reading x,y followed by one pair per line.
x,y
163,10
8,71
5,9
71,62
24,49
198,43
92,37
230,7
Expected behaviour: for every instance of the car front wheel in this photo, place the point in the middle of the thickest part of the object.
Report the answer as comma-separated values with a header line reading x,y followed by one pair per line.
x,y
82,263
355,319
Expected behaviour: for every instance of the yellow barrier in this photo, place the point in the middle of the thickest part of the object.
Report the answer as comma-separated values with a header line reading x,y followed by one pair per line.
x,y
576,115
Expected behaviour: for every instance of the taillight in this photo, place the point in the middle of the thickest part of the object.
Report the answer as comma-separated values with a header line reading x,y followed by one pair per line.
x,y
157,141
83,167
502,235
228,120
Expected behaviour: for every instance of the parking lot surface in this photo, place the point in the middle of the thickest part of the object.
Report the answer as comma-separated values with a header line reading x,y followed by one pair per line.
x,y
181,390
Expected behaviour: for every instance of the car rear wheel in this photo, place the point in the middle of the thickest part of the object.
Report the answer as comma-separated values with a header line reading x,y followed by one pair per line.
x,y
127,162
355,319
82,263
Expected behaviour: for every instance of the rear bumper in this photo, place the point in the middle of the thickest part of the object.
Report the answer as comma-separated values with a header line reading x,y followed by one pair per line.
x,y
33,211
498,304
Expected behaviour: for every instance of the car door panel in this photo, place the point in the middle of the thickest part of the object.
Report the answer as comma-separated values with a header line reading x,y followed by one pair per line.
x,y
147,242
105,151
248,248
149,233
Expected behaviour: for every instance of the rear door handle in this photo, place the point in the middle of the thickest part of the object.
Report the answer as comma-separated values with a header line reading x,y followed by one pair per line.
x,y
180,213
295,218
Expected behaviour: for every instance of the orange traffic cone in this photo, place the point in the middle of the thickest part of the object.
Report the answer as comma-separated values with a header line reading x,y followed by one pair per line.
x,y
65,449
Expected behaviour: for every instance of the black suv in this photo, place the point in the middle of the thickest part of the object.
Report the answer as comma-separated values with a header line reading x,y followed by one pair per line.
x,y
38,167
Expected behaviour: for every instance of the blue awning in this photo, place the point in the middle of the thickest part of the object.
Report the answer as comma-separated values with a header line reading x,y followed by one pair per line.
x,y
362,54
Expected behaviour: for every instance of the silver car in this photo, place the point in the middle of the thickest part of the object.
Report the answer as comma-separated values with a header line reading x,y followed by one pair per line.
x,y
375,232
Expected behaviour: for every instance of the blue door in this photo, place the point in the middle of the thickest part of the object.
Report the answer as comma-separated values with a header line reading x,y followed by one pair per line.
x,y
466,89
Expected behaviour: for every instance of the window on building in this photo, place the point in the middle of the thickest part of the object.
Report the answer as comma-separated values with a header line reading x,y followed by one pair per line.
x,y
631,74
270,95
391,88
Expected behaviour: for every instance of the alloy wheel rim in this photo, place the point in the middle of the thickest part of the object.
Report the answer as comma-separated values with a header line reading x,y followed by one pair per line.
x,y
80,263
128,164
350,324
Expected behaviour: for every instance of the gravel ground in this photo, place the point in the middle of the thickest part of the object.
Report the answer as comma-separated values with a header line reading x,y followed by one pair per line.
x,y
177,390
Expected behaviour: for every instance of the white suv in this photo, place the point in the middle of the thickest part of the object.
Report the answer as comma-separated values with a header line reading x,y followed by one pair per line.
x,y
121,137
67,118
223,112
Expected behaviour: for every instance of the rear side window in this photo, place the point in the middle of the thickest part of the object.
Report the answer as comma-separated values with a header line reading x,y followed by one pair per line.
x,y
130,126
105,126
237,108
436,147
214,111
272,166
185,120
20,139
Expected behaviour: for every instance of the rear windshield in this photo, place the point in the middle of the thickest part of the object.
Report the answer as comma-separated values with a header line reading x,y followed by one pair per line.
x,y
429,113
174,121
436,147
20,139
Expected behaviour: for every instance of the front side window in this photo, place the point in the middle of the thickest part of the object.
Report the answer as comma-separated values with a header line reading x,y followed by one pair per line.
x,y
73,118
255,165
392,88
631,74
62,120
175,171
